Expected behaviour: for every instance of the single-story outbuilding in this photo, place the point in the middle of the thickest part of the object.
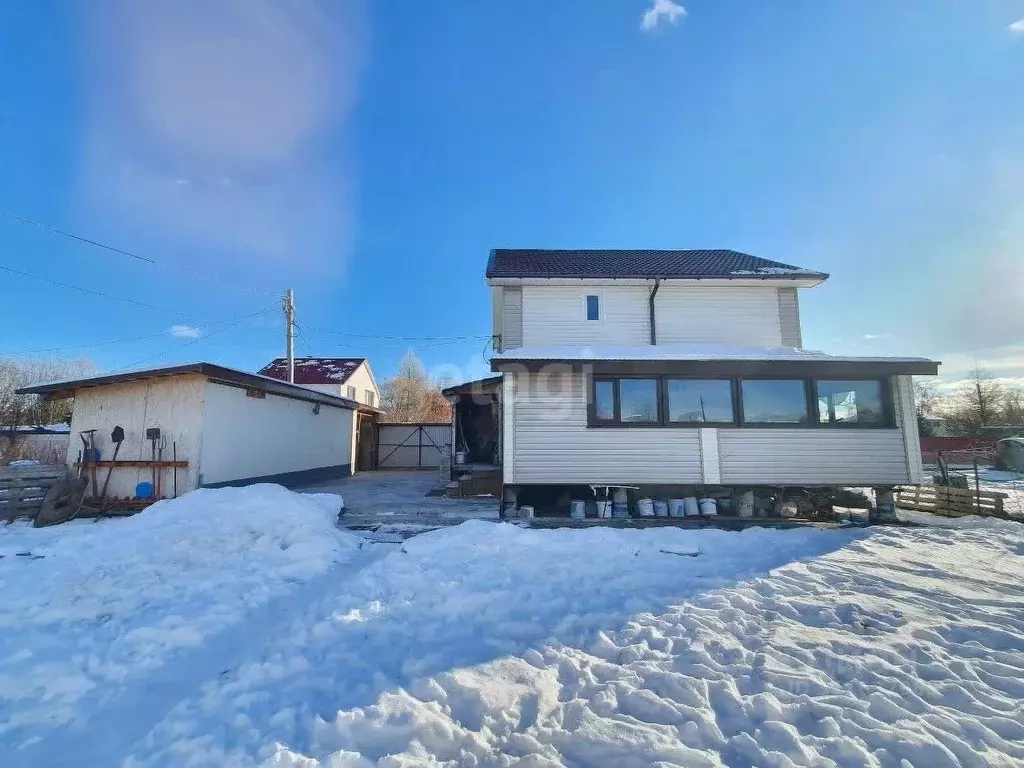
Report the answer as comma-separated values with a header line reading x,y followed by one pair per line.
x,y
231,427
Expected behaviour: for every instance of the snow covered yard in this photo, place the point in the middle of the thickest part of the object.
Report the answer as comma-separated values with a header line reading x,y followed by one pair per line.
x,y
246,629
489,645
91,609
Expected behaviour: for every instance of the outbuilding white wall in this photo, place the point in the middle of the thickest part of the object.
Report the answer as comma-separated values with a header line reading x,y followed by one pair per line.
x,y
172,403
555,315
247,437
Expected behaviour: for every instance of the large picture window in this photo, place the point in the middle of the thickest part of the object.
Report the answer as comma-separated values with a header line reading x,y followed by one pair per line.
x,y
849,402
699,401
774,401
674,401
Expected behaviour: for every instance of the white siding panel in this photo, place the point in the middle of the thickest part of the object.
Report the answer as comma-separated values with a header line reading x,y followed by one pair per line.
x,y
172,403
512,313
906,417
711,463
812,456
552,443
556,315
789,317
245,437
716,315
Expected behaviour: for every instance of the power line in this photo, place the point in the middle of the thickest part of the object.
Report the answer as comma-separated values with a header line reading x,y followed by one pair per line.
x,y
93,344
228,326
130,254
92,292
397,338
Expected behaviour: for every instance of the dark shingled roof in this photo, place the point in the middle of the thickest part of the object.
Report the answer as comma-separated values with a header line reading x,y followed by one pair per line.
x,y
314,370
515,263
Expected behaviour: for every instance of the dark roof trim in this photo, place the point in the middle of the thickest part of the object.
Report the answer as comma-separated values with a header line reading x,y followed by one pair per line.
x,y
475,387
695,264
712,368
215,373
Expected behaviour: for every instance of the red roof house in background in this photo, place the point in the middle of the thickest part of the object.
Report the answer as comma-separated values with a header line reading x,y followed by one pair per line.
x,y
349,377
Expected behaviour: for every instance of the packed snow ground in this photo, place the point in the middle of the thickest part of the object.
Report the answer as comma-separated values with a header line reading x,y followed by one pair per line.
x,y
490,645
92,608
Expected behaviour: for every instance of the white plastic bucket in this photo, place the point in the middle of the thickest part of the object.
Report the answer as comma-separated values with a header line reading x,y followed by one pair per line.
x,y
708,507
660,508
526,512
460,457
604,508
578,510
676,507
690,506
645,507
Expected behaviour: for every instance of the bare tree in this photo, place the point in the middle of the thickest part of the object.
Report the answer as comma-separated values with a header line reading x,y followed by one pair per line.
x,y
926,400
977,402
410,396
20,410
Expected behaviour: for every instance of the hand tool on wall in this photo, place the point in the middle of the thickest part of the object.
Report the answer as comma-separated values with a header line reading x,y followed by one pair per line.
x,y
174,457
116,437
160,469
153,435
89,452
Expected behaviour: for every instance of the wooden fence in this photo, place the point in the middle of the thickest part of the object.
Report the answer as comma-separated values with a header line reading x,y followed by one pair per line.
x,y
22,489
951,502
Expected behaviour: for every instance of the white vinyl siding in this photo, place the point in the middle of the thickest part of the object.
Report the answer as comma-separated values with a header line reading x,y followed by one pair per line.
x,y
789,317
906,417
512,318
813,456
556,315
551,443
716,315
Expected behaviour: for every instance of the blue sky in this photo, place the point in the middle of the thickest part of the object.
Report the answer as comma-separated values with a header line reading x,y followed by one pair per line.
x,y
368,155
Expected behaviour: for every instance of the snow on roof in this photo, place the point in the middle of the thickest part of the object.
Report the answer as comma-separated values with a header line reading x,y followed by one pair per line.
x,y
314,370
691,352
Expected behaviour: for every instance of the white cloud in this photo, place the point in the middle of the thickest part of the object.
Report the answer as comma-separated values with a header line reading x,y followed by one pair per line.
x,y
186,331
661,9
1018,27
877,336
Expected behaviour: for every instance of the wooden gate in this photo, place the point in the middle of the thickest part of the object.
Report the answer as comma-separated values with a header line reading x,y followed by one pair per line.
x,y
413,446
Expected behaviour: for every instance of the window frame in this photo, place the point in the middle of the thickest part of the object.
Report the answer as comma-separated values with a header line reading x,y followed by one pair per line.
x,y
692,424
885,397
370,398
600,307
736,389
351,393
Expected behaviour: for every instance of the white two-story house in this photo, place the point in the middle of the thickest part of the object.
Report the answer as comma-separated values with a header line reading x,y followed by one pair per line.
x,y
685,368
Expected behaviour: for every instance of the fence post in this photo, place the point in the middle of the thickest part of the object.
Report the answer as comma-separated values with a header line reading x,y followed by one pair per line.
x,y
419,452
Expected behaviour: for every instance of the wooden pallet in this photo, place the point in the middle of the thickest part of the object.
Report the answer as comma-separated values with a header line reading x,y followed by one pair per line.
x,y
22,489
951,502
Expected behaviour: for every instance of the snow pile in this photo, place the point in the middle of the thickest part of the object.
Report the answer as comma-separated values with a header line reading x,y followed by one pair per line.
x,y
89,607
487,645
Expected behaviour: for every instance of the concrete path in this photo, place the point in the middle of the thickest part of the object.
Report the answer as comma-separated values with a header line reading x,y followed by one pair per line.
x,y
392,505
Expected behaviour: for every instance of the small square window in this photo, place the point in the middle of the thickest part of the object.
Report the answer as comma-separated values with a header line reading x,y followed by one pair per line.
x,y
370,397
350,393
593,307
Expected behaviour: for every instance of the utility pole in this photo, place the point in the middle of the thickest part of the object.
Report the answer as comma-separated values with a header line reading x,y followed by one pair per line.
x,y
289,316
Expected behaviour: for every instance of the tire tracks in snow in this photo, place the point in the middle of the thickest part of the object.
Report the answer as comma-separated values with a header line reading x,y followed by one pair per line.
x,y
111,730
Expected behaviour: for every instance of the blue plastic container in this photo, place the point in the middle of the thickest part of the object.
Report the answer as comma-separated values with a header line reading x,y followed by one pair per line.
x,y
144,491
92,455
